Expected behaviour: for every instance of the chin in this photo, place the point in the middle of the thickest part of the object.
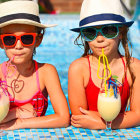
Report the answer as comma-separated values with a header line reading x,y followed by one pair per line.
x,y
18,61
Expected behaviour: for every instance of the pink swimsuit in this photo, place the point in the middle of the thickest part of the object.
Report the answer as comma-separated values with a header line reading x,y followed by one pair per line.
x,y
39,102
92,92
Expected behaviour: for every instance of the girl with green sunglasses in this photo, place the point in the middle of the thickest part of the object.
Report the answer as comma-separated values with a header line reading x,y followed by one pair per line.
x,y
103,27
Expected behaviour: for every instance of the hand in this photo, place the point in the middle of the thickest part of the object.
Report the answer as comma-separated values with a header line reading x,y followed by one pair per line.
x,y
26,111
12,125
89,119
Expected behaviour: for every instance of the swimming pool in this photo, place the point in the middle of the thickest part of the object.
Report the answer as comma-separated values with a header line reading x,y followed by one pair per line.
x,y
58,48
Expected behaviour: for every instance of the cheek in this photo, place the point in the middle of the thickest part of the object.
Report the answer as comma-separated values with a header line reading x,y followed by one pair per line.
x,y
8,53
29,51
91,45
115,42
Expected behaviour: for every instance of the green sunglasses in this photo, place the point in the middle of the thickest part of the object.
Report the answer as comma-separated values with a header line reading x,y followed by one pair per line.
x,y
108,31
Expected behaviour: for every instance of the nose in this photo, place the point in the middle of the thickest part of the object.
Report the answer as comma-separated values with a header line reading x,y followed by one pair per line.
x,y
100,37
18,44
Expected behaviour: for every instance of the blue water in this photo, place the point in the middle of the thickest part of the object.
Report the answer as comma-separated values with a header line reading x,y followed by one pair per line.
x,y
136,15
57,47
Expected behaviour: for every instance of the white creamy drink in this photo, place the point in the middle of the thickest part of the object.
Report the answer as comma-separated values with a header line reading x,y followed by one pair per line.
x,y
4,105
109,106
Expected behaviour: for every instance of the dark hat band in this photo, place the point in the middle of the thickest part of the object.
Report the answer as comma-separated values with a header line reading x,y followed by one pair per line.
x,y
19,16
101,17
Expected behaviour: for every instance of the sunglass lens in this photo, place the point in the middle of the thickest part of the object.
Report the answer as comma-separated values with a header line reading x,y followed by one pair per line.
x,y
27,39
9,40
110,31
89,34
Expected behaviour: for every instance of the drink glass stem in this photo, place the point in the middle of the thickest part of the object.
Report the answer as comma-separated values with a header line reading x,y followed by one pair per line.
x,y
108,126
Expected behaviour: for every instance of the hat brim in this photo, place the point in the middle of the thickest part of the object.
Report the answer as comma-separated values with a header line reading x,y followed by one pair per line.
x,y
128,24
27,22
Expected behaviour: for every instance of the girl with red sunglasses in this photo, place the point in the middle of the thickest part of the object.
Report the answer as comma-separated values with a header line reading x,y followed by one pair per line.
x,y
28,82
102,28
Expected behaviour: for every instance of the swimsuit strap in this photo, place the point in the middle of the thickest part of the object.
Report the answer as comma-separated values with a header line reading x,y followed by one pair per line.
x,y
123,62
89,66
124,67
37,75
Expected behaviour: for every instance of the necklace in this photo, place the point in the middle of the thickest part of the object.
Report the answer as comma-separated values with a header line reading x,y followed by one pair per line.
x,y
17,84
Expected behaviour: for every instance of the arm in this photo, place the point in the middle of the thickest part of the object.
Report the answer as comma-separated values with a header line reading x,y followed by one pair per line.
x,y
61,117
81,117
76,89
49,79
25,111
131,118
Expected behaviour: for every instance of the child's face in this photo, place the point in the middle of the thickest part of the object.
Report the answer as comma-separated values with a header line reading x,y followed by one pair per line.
x,y
19,51
110,46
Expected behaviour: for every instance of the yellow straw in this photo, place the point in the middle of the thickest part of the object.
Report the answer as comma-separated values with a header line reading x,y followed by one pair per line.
x,y
105,62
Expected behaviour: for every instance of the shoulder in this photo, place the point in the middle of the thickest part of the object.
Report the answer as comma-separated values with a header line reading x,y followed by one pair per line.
x,y
79,64
135,65
47,73
45,68
79,70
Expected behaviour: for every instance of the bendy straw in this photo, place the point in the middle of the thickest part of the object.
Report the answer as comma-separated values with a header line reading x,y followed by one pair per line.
x,y
105,64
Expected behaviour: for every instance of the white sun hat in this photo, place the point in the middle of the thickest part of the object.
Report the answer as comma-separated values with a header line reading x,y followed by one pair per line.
x,y
20,12
101,12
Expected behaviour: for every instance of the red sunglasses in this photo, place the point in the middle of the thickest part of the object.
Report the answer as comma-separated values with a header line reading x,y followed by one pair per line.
x,y
10,40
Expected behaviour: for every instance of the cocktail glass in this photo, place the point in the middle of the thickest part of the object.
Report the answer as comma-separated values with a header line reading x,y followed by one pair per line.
x,y
109,107
4,108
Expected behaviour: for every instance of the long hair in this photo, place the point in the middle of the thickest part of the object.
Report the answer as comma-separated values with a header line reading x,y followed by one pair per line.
x,y
128,56
83,43
40,31
125,44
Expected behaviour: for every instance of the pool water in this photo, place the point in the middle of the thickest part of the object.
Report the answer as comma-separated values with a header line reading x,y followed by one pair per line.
x,y
58,47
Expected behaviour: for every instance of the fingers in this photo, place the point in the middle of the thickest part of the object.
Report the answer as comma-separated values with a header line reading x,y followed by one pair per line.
x,y
26,111
75,120
27,106
8,125
84,111
75,124
3,127
34,114
75,117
